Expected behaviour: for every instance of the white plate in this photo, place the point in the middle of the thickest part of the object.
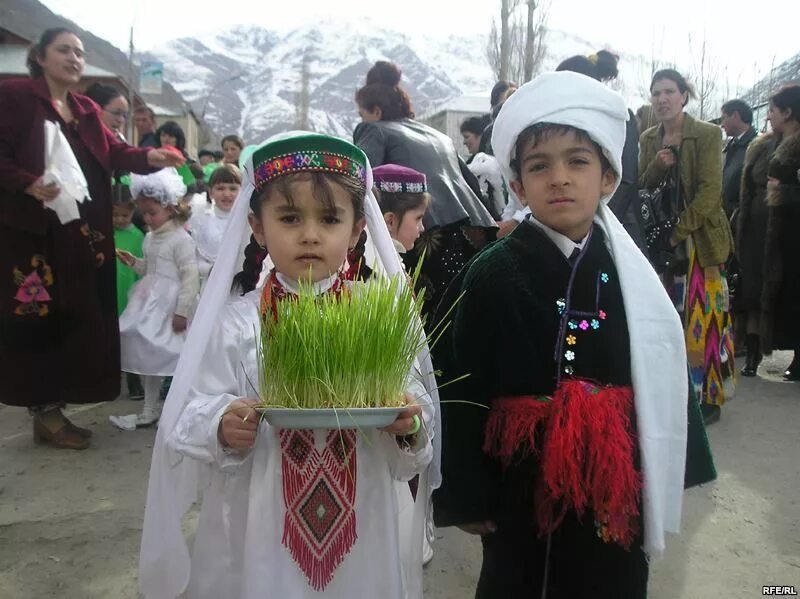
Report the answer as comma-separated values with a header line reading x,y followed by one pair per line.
x,y
329,418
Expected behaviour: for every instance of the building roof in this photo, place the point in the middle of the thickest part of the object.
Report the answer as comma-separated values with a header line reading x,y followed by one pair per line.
x,y
26,19
475,103
13,62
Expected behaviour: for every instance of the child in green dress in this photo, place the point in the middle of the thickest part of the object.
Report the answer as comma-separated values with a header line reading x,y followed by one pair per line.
x,y
129,238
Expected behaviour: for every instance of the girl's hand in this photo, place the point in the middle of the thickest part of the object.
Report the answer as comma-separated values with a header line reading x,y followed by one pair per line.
x,y
239,425
666,158
479,528
126,258
42,192
179,323
164,158
404,423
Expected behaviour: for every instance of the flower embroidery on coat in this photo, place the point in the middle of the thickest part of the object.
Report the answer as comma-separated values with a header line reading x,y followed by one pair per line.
x,y
572,340
95,237
32,293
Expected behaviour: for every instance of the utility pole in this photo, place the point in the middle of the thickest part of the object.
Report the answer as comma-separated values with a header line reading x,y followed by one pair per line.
x,y
131,90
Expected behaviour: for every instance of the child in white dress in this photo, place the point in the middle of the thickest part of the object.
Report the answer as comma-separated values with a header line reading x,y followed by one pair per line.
x,y
208,228
285,513
153,325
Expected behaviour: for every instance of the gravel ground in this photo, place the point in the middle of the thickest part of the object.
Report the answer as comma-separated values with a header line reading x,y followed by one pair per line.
x,y
70,522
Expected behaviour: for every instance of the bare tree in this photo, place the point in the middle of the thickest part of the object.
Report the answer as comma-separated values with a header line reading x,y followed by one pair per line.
x,y
516,50
706,76
303,96
506,9
535,33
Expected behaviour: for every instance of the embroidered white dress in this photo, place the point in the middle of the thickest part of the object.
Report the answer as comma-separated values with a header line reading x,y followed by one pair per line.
x,y
242,546
169,286
208,230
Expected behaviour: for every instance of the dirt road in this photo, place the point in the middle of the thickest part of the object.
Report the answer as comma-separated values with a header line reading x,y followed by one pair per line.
x,y
70,521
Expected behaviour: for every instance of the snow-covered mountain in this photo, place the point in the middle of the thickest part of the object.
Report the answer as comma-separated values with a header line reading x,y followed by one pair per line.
x,y
246,79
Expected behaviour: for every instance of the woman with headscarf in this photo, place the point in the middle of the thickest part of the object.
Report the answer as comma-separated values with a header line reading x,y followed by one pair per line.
x,y
59,338
457,223
701,238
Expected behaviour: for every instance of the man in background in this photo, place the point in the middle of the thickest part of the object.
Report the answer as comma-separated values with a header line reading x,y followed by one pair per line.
x,y
145,120
737,121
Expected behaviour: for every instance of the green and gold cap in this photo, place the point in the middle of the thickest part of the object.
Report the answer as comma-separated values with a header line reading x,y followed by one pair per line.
x,y
311,152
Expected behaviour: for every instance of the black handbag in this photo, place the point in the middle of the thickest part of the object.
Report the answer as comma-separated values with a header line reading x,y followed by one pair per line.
x,y
661,208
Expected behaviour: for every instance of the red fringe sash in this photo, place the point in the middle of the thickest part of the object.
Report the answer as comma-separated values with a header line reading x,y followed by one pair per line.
x,y
584,438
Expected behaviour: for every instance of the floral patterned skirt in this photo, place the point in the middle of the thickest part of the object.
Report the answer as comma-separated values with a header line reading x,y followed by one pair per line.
x,y
702,298
59,336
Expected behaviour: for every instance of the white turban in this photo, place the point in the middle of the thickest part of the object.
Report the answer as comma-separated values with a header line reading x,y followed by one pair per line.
x,y
658,350
563,98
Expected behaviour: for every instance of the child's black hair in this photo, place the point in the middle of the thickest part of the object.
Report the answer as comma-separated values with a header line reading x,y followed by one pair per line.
x,y
399,203
172,129
321,183
541,131
225,174
121,197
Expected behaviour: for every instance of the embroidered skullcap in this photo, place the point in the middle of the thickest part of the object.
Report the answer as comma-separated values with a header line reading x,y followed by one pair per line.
x,y
394,178
165,186
307,153
563,98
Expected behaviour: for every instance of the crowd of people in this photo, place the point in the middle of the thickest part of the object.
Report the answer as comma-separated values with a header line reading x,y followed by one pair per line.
x,y
590,282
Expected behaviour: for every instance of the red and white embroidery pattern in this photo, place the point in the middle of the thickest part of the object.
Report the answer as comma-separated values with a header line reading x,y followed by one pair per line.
x,y
319,494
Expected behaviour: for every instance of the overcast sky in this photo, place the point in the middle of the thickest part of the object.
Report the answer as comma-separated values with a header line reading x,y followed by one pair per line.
x,y
742,34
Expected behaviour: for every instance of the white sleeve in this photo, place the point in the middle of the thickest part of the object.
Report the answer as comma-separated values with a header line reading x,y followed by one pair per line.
x,y
405,464
195,434
185,255
140,264
203,266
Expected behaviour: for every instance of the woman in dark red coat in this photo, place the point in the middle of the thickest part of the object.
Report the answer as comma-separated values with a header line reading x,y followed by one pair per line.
x,y
59,338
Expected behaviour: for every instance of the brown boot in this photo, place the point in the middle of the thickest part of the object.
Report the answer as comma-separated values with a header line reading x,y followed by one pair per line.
x,y
52,428
83,432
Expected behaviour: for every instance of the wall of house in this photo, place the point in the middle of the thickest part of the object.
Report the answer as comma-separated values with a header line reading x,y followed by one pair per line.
x,y
449,123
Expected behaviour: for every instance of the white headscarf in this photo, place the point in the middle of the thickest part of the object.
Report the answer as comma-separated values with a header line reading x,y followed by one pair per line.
x,y
658,351
164,561
166,186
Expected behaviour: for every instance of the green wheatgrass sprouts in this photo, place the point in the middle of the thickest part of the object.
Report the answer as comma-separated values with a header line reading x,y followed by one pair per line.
x,y
351,351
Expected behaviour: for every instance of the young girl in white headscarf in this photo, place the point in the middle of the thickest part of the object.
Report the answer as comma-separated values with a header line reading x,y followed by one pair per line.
x,y
153,325
285,513
566,447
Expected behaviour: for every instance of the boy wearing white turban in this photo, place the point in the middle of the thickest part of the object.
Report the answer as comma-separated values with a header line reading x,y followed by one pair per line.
x,y
575,472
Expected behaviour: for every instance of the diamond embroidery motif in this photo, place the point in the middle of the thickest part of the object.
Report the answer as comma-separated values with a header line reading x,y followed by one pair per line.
x,y
319,493
321,511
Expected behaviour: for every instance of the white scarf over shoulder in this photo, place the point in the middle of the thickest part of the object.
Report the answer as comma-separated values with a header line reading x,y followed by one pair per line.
x,y
658,351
